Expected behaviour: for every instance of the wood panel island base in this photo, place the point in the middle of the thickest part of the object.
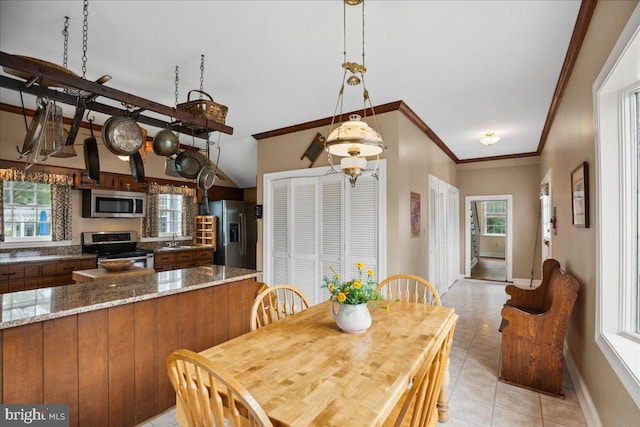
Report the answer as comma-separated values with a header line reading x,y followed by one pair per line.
x,y
101,346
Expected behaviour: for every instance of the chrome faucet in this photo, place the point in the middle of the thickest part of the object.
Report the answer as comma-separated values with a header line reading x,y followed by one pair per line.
x,y
173,243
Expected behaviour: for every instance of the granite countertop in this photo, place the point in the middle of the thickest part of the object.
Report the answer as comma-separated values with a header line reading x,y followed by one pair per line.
x,y
24,258
21,308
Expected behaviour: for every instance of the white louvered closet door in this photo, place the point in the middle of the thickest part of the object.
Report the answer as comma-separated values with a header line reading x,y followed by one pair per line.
x,y
304,236
280,248
361,226
331,229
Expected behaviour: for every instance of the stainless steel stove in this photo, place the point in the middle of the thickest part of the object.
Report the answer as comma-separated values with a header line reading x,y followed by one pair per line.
x,y
116,245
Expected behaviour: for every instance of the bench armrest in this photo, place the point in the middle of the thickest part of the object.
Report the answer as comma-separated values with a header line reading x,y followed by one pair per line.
x,y
531,327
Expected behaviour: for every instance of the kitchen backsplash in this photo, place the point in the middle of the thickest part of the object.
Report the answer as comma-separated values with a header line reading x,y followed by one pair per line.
x,y
54,250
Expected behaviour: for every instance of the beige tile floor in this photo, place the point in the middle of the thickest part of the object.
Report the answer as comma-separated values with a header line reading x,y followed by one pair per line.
x,y
477,398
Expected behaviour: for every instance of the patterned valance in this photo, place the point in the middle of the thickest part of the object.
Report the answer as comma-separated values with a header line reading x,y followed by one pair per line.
x,y
183,190
37,177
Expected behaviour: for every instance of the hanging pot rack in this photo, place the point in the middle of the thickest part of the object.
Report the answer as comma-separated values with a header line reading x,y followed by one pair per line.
x,y
184,122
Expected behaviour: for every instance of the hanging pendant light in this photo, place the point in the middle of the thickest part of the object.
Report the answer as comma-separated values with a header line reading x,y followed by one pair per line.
x,y
354,140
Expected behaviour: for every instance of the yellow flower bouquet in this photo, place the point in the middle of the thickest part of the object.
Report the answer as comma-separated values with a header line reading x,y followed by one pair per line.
x,y
354,291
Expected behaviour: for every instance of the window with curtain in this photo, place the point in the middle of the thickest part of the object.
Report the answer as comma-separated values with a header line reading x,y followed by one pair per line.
x,y
495,218
36,206
170,210
27,211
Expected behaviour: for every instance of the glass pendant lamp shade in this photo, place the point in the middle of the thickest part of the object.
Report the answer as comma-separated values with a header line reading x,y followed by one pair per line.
x,y
354,137
353,166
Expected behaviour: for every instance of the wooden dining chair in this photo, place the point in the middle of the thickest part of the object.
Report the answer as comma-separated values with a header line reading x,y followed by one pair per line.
x,y
418,406
275,303
208,396
410,288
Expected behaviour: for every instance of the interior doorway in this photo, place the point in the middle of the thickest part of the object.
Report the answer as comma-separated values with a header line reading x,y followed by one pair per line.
x,y
489,237
547,218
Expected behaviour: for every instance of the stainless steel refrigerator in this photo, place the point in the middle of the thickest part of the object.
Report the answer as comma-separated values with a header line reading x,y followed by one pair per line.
x,y
237,234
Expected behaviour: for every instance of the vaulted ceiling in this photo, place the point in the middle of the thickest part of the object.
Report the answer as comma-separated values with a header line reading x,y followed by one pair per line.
x,y
464,67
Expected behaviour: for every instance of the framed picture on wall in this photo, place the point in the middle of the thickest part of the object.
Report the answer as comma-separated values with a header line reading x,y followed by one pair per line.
x,y
580,196
415,214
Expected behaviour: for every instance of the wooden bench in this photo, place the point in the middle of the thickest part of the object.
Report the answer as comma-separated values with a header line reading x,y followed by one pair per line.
x,y
533,330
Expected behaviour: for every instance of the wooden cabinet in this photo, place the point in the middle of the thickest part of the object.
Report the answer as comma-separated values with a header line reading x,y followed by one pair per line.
x,y
27,276
182,258
164,260
204,257
111,181
65,268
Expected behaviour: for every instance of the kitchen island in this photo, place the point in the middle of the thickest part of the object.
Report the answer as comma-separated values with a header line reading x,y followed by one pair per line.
x,y
101,346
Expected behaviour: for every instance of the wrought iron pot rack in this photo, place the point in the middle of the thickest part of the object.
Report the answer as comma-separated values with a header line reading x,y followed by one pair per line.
x,y
185,122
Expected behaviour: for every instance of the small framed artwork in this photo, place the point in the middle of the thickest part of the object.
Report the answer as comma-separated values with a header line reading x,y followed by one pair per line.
x,y
415,215
580,196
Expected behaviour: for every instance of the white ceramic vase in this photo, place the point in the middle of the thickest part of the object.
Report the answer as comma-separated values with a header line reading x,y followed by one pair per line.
x,y
354,319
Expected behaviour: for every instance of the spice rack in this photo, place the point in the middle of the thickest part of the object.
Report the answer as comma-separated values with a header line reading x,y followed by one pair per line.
x,y
205,231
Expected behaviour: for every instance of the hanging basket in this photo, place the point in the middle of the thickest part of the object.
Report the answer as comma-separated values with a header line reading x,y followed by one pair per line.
x,y
204,107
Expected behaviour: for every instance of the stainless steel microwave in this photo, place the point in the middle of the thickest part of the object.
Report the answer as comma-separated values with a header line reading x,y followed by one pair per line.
x,y
113,204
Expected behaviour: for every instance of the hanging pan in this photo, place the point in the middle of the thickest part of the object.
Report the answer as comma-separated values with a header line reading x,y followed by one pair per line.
x,y
206,178
189,163
36,130
91,159
122,135
137,167
170,167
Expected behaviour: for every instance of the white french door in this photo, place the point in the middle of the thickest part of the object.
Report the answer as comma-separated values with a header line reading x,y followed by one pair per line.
x,y
453,235
313,223
444,241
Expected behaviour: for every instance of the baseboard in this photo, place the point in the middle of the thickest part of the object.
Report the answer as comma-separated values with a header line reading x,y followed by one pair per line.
x,y
588,408
525,283
499,255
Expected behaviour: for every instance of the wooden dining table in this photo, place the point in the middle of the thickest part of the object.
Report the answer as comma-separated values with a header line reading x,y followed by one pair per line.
x,y
304,371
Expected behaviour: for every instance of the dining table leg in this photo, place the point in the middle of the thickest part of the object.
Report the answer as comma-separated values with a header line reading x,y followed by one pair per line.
x,y
443,398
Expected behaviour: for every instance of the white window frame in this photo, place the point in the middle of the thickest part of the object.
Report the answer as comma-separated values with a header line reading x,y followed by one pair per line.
x,y
33,239
486,215
170,234
617,207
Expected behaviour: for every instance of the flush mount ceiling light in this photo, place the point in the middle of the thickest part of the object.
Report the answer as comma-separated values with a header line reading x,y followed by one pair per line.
x,y
354,140
490,138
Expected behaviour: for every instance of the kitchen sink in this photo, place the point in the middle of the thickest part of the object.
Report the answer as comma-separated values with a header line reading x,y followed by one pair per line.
x,y
179,247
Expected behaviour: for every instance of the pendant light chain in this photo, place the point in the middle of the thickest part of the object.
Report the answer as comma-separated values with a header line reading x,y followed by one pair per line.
x,y
85,37
201,75
365,92
177,80
344,31
363,66
65,33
